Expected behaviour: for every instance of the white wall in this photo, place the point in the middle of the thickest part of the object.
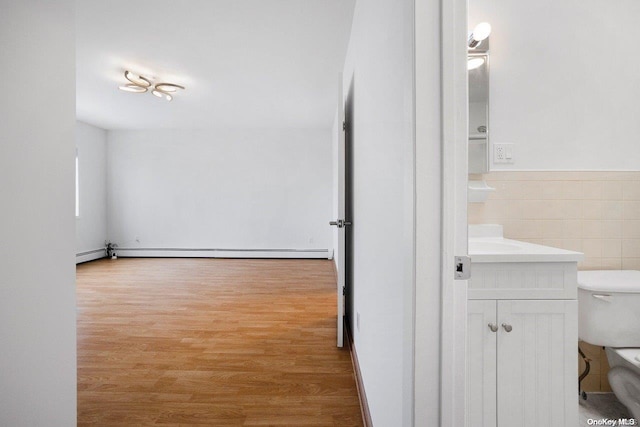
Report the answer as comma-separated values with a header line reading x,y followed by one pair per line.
x,y
220,189
564,82
91,225
380,59
37,275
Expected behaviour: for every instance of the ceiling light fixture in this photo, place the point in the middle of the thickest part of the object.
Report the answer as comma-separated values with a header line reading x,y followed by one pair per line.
x,y
141,84
479,33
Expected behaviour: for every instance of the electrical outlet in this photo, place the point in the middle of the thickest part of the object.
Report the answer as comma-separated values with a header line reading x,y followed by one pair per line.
x,y
502,153
358,321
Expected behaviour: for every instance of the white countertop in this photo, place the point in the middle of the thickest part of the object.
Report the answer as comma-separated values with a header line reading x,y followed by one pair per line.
x,y
486,245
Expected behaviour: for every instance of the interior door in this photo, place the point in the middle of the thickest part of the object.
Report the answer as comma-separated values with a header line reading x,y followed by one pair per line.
x,y
339,211
343,235
348,140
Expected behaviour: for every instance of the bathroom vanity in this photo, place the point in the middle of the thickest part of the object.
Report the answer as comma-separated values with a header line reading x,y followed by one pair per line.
x,y
522,332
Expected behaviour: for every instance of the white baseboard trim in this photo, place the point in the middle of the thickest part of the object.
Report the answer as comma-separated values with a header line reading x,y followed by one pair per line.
x,y
89,255
362,396
221,253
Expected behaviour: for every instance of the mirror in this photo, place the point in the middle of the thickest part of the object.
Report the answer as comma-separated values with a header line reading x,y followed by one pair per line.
x,y
478,65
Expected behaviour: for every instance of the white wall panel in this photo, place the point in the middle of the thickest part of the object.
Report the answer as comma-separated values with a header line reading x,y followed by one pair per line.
x,y
564,82
380,67
220,189
37,245
91,225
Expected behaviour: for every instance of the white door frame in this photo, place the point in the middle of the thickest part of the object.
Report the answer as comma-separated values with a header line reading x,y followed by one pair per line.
x,y
454,210
441,211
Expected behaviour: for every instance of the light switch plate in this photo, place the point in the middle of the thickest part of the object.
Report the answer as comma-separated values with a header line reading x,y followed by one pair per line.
x,y
503,153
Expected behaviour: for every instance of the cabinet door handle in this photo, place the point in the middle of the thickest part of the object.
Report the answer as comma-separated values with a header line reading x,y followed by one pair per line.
x,y
493,327
507,327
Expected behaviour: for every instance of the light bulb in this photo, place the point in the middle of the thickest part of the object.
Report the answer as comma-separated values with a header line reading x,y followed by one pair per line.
x,y
481,31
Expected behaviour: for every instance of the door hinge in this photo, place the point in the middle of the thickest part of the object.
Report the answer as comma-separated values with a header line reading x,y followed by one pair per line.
x,y
344,125
343,291
462,268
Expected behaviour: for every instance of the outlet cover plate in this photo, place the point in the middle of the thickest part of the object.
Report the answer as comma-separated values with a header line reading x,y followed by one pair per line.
x,y
503,153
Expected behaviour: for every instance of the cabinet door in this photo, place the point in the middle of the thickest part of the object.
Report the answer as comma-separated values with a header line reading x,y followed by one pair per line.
x,y
481,363
537,363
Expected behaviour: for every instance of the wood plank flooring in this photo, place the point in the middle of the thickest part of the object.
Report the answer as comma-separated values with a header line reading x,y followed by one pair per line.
x,y
214,342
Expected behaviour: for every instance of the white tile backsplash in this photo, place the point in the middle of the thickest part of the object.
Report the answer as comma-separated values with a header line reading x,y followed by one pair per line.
x,y
594,212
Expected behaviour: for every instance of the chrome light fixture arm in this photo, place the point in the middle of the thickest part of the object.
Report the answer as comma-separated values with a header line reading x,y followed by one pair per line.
x,y
141,84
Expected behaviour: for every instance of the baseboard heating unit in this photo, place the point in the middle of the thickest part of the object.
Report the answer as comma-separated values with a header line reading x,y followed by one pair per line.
x,y
222,253
90,255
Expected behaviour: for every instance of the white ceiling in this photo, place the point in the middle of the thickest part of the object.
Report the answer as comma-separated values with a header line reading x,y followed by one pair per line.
x,y
244,63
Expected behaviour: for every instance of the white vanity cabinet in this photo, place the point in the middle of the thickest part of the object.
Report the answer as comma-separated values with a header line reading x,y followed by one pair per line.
x,y
522,363
522,333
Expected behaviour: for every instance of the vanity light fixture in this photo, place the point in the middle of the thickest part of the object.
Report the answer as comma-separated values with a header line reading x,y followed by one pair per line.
x,y
141,84
479,33
474,62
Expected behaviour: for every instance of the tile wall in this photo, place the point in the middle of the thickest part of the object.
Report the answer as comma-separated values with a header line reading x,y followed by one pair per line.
x,y
597,213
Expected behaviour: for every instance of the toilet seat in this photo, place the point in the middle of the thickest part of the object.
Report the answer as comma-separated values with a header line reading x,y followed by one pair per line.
x,y
626,386
631,355
608,316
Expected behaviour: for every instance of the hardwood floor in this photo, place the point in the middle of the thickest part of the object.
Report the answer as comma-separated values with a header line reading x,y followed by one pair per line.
x,y
212,342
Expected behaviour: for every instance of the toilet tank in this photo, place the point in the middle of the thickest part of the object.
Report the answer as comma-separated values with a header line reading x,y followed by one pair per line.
x,y
609,307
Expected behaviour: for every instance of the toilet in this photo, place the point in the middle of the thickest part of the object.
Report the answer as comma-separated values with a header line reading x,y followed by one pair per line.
x,y
609,316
